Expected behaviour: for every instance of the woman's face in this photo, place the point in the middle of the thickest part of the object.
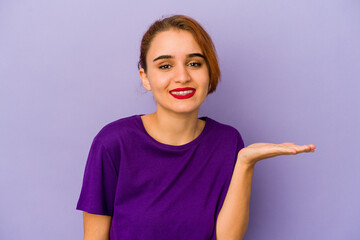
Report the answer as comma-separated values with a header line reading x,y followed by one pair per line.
x,y
175,60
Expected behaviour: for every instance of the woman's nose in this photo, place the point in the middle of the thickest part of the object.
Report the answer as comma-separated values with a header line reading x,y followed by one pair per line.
x,y
182,75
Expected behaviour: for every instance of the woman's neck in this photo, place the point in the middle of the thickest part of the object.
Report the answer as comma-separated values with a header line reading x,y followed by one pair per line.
x,y
172,128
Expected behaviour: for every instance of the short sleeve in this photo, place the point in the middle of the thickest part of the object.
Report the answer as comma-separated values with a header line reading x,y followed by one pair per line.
x,y
99,182
240,142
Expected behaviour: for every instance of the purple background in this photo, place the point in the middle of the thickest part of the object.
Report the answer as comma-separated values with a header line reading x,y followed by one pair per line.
x,y
290,73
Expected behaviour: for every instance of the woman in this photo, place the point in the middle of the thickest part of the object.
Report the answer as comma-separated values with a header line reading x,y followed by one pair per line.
x,y
170,174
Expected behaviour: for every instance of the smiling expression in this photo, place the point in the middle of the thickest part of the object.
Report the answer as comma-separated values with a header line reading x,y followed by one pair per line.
x,y
175,62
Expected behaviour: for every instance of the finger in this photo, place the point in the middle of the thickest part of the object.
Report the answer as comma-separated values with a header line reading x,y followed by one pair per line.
x,y
312,146
307,148
292,149
287,149
288,143
304,148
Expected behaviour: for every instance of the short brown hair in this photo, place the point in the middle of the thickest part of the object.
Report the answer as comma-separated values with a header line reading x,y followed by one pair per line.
x,y
182,22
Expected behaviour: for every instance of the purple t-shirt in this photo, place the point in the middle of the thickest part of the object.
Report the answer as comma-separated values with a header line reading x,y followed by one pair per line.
x,y
156,191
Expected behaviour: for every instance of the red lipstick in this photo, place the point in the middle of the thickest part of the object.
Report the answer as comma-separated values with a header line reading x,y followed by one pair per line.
x,y
182,96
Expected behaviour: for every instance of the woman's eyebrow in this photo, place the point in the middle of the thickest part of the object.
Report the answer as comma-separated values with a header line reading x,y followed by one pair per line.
x,y
191,55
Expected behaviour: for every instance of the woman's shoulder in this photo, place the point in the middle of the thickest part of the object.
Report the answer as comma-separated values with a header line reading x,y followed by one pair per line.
x,y
118,128
225,133
222,127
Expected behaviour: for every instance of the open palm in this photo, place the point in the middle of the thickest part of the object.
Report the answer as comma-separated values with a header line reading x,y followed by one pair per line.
x,y
258,151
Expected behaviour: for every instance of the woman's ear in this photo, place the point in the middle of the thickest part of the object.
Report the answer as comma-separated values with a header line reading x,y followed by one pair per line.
x,y
144,79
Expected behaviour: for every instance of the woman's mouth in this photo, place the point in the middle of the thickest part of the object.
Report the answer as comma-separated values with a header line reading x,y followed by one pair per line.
x,y
183,94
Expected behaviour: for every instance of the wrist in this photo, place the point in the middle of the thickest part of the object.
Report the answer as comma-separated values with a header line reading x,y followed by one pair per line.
x,y
242,164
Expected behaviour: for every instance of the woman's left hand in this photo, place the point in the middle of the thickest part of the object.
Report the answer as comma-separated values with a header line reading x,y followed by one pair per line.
x,y
259,151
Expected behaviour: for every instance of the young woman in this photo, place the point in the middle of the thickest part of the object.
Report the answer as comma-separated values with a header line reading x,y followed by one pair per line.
x,y
169,174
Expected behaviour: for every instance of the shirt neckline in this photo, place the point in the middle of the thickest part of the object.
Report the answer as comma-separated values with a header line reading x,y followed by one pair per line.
x,y
175,147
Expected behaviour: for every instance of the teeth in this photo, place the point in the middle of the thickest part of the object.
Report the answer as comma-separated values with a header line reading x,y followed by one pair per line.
x,y
182,93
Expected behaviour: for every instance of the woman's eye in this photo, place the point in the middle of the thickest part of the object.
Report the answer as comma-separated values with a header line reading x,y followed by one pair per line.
x,y
192,64
166,66
195,64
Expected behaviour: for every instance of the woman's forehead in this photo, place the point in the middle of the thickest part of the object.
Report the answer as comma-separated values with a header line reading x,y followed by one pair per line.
x,y
175,43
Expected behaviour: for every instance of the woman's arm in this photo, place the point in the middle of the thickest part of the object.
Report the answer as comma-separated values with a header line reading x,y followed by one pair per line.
x,y
96,227
233,217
